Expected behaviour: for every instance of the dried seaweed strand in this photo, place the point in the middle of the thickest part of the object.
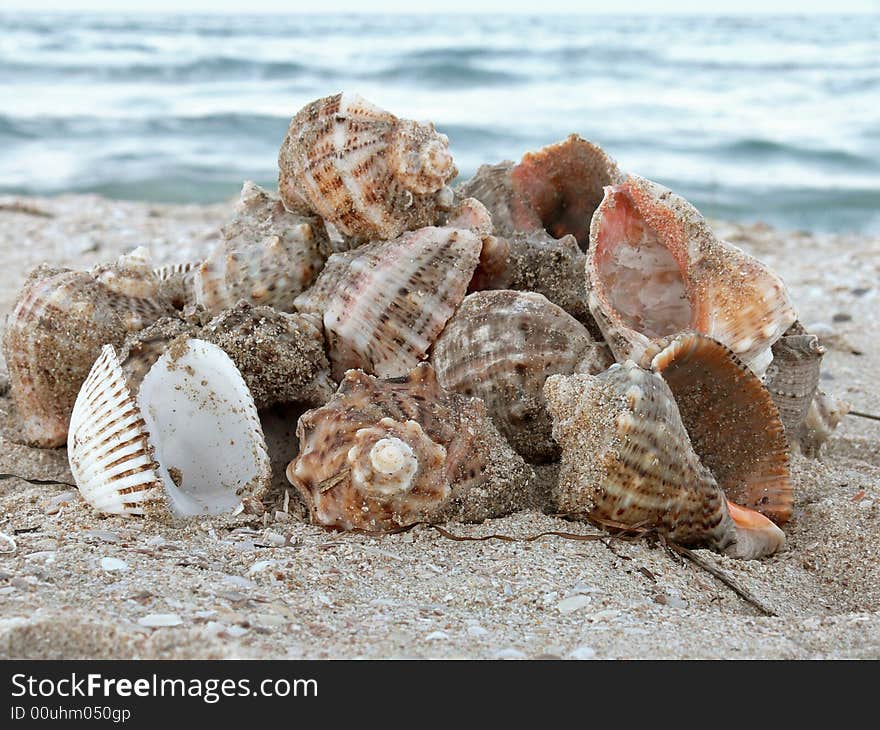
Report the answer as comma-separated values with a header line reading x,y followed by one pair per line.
x,y
38,482
861,414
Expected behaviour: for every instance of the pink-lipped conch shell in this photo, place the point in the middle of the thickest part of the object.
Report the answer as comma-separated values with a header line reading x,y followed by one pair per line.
x,y
554,190
384,454
384,304
359,167
57,327
655,268
691,445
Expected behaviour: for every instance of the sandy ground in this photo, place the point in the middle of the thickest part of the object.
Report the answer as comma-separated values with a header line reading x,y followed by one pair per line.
x,y
278,587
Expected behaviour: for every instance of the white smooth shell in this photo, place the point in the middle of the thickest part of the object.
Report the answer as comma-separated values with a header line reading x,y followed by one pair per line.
x,y
204,429
107,444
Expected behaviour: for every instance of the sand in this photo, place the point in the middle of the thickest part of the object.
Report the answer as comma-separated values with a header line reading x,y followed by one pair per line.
x,y
78,585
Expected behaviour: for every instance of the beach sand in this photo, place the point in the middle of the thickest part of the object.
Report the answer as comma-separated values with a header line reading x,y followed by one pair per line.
x,y
277,587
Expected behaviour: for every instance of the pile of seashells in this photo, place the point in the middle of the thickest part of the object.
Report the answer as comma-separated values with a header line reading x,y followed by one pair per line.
x,y
449,345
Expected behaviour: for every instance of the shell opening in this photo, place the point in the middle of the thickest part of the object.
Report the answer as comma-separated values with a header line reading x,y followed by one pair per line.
x,y
638,275
203,428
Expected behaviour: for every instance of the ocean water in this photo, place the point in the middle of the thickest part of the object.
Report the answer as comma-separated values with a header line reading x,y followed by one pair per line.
x,y
773,119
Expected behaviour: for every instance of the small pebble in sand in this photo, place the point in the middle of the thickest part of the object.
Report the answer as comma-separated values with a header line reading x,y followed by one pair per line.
x,y
477,631
112,564
7,543
437,636
103,535
260,566
582,652
573,603
510,653
157,620
54,505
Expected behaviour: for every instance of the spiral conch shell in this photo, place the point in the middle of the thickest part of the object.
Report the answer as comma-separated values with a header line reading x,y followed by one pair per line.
x,y
555,189
57,328
267,256
638,451
501,346
384,304
384,454
190,442
655,268
359,167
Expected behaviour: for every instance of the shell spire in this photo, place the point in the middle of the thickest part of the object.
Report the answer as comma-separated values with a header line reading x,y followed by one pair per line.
x,y
655,268
359,167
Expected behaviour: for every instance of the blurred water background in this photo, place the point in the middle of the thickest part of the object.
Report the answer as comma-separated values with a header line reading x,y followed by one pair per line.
x,y
761,118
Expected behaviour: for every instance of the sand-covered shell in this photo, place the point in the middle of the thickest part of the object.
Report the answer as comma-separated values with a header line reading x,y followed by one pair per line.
x,y
359,167
793,376
190,442
655,268
555,189
384,304
501,346
823,416
384,454
280,356
627,460
731,420
56,330
266,256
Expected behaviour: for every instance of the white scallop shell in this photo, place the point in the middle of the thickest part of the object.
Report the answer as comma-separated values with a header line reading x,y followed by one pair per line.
x,y
107,446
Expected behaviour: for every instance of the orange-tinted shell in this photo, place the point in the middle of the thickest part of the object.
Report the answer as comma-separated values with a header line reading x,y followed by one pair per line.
x,y
449,461
655,268
370,174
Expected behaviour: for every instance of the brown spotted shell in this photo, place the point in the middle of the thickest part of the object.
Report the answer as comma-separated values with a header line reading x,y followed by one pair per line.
x,y
359,167
267,256
280,356
501,346
384,304
57,328
655,268
384,454
731,419
555,189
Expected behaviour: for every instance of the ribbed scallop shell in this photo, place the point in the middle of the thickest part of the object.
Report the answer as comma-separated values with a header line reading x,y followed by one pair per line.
x,y
384,304
190,441
359,167
793,376
267,256
655,268
555,189
731,419
627,460
383,454
501,346
107,447
56,330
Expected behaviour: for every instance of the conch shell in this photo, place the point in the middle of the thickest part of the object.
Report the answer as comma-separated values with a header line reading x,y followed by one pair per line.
x,y
59,323
501,346
189,443
658,448
554,190
267,256
359,167
384,304
655,268
384,454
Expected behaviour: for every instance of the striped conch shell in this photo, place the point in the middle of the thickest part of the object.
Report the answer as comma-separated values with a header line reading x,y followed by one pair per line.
x,y
384,304
501,346
384,454
266,256
637,450
793,376
554,190
359,167
280,356
189,443
655,268
57,328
